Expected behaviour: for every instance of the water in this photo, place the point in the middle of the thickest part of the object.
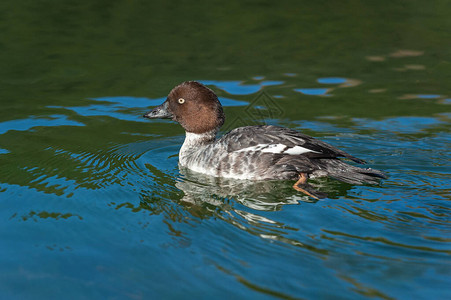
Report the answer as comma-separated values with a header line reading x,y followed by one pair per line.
x,y
93,204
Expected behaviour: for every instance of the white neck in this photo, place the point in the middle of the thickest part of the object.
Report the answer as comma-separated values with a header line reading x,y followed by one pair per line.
x,y
196,139
193,141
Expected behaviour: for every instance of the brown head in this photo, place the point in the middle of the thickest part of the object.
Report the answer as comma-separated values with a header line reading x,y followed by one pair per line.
x,y
193,105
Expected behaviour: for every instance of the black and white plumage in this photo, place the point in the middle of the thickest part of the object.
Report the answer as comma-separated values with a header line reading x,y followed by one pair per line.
x,y
253,152
271,152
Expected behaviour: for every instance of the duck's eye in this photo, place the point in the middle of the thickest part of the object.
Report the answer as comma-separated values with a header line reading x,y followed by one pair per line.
x,y
181,100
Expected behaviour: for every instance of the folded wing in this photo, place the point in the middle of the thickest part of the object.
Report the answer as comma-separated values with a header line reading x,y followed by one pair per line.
x,y
280,140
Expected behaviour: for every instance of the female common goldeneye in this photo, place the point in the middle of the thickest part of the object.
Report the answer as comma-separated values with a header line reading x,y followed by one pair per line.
x,y
262,152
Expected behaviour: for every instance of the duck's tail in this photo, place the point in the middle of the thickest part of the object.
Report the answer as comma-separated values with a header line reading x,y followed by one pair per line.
x,y
351,174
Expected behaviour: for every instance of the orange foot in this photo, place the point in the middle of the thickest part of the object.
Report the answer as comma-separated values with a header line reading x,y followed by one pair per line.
x,y
302,181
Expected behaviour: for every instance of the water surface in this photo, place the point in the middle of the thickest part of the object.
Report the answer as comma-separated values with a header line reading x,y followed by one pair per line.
x,y
93,204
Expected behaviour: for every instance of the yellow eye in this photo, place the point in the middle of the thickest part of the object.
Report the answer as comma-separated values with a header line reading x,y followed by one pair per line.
x,y
181,100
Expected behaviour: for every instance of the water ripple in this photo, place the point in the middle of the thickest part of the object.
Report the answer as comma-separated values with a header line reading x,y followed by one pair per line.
x,y
238,87
34,121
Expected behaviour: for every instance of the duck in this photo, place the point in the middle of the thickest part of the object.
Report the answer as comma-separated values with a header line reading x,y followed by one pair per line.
x,y
259,152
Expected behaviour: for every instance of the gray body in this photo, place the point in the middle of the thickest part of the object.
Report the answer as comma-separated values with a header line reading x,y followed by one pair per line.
x,y
269,153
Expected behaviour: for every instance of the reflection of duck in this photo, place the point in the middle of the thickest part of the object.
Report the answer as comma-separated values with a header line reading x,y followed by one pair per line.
x,y
264,195
260,195
252,152
243,204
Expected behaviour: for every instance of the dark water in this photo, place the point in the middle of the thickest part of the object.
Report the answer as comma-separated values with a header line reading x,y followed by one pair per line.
x,y
93,204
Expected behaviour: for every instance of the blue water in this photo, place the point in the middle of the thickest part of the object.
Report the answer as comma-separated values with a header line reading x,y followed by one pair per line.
x,y
94,206
124,222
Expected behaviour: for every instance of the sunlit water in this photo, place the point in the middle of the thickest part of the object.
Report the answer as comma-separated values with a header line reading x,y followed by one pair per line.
x,y
94,205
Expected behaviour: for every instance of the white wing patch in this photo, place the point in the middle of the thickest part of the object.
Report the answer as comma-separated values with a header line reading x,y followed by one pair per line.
x,y
296,150
277,149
